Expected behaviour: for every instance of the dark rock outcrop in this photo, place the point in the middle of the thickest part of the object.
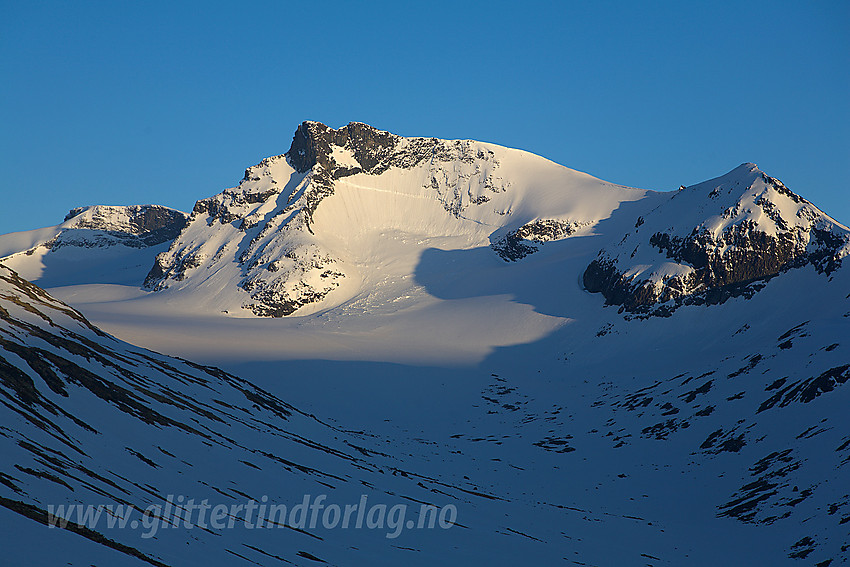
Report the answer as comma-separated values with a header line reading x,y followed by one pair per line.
x,y
313,144
135,226
375,151
519,243
142,219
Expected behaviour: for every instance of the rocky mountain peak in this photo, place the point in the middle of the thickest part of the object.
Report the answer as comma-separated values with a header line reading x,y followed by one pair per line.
x,y
133,219
314,143
269,239
268,227
718,239
104,226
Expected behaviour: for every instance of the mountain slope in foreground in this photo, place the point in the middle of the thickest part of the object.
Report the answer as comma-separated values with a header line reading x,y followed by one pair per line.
x,y
545,453
90,420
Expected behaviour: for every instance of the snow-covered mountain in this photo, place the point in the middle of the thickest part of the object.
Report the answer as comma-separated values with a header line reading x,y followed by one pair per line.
x,y
310,229
567,361
102,226
98,244
715,240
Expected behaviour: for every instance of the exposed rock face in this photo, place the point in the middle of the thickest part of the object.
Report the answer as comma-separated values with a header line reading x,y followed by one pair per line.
x,y
330,154
136,226
313,144
312,150
260,227
759,229
519,243
136,219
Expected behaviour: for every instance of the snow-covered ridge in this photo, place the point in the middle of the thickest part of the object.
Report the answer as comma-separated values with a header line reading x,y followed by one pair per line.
x,y
136,226
94,244
132,219
714,240
311,227
100,226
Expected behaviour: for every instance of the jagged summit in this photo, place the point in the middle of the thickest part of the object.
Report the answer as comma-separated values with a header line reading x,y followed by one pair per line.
x,y
314,143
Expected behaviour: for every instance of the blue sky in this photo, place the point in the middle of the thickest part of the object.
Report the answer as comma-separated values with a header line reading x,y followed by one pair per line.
x,y
128,103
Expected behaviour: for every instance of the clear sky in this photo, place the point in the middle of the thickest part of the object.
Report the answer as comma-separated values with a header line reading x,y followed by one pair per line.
x,y
149,102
